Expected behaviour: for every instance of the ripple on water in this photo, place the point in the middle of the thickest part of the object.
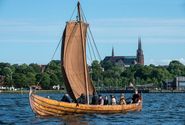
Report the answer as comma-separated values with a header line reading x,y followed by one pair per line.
x,y
165,109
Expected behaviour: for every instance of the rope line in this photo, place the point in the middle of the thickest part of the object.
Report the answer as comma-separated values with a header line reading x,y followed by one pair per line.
x,y
51,59
89,50
91,46
94,43
91,35
72,13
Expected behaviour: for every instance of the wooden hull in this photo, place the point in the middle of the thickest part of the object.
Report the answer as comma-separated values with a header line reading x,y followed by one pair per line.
x,y
48,107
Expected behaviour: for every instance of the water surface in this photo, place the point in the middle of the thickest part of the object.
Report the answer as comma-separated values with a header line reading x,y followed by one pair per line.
x,y
158,109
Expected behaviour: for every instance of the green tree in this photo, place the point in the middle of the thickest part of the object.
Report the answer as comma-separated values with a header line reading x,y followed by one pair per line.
x,y
54,80
7,72
176,68
45,81
96,71
36,68
30,78
20,80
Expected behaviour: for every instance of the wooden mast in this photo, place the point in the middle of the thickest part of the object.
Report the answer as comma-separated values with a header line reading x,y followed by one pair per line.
x,y
84,56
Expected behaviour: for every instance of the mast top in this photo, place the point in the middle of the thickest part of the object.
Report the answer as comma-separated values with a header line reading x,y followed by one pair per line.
x,y
79,11
78,2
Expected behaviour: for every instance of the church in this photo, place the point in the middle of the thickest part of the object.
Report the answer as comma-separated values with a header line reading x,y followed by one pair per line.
x,y
127,60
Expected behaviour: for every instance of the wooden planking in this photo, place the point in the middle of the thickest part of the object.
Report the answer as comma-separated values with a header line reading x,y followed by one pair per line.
x,y
44,106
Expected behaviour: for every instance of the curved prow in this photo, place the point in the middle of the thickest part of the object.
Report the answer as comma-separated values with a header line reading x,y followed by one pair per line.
x,y
30,98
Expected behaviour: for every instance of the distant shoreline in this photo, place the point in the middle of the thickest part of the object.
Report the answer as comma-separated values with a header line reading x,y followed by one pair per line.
x,y
27,91
104,91
142,91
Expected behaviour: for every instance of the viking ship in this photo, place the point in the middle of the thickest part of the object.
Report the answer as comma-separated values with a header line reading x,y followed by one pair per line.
x,y
76,77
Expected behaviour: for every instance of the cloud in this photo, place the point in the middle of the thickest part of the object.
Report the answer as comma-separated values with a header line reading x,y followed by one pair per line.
x,y
104,30
29,31
164,30
182,60
163,61
139,22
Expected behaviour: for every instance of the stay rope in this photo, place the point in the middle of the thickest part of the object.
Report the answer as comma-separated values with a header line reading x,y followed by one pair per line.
x,y
83,15
50,59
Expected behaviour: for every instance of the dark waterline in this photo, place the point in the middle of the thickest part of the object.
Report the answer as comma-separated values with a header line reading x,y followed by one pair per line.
x,y
159,108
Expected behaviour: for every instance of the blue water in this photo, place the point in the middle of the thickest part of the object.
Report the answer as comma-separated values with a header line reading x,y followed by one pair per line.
x,y
158,109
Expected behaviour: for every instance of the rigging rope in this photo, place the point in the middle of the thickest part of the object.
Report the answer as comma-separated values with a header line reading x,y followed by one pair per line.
x,y
73,13
56,48
51,59
91,46
91,36
94,44
89,50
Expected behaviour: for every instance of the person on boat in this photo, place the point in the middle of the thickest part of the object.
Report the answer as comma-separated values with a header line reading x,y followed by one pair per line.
x,y
82,99
122,100
135,97
94,99
106,100
113,100
66,98
101,100
140,98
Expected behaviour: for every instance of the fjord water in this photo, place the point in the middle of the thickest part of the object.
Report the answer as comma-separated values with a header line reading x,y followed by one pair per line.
x,y
158,108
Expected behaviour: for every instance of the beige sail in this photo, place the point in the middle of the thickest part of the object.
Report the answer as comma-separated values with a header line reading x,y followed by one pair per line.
x,y
73,54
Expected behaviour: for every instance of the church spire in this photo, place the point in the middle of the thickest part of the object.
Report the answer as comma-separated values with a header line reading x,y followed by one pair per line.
x,y
112,51
139,44
140,55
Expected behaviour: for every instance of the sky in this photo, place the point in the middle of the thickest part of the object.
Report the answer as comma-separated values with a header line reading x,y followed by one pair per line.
x,y
31,29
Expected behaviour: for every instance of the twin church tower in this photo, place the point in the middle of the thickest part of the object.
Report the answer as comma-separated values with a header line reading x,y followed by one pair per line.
x,y
127,60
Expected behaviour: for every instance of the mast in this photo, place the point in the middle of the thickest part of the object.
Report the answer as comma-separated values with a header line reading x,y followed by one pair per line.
x,y
84,56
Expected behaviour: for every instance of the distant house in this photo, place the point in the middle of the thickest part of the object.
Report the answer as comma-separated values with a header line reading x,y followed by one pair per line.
x,y
178,83
169,84
2,79
56,87
127,60
36,87
150,86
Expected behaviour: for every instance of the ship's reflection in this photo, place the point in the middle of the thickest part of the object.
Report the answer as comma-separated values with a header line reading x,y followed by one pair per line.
x,y
74,120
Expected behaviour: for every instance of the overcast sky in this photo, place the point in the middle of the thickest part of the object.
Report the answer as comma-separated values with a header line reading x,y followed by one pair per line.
x,y
31,29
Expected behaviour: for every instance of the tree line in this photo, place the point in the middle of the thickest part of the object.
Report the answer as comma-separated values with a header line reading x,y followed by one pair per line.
x,y
107,74
103,74
23,76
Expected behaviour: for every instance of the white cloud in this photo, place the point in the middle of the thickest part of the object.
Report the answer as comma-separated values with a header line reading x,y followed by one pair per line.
x,y
26,31
164,30
163,61
134,22
182,60
104,30
27,26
